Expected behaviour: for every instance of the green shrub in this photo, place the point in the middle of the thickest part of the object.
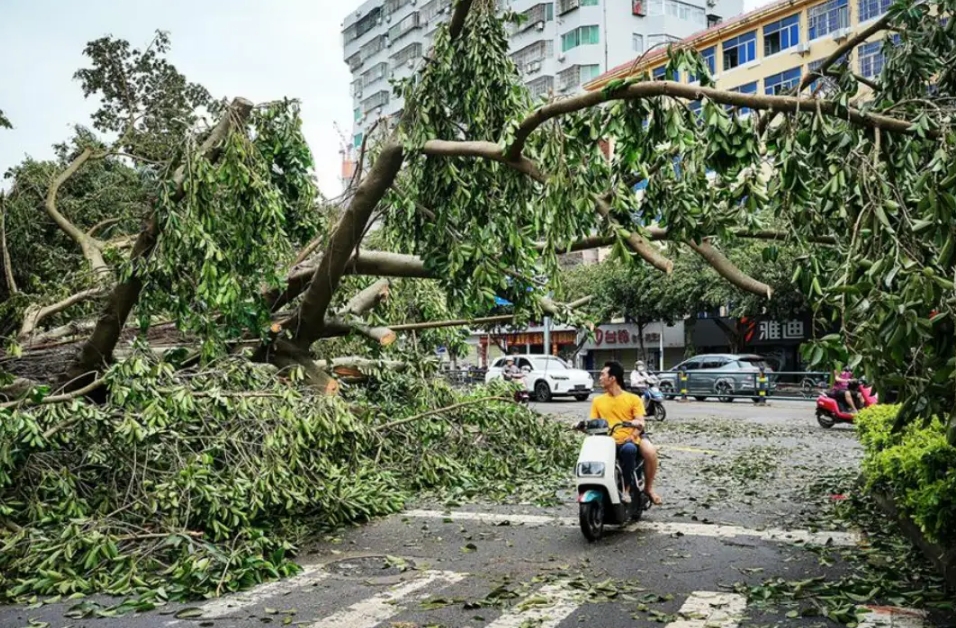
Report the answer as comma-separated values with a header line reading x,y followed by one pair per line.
x,y
917,466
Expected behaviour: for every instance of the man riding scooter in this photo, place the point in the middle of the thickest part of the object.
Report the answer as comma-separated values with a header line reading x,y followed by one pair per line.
x,y
642,379
512,373
615,406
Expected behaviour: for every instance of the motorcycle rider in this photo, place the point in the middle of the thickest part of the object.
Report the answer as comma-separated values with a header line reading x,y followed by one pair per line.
x,y
512,373
642,379
615,406
841,389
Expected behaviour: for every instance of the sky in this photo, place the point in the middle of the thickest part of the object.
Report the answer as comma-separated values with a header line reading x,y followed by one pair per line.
x,y
261,50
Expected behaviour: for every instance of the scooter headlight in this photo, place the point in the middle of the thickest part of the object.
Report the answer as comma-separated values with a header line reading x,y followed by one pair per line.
x,y
590,470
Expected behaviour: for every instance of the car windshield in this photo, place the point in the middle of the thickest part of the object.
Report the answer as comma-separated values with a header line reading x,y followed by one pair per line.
x,y
551,364
755,361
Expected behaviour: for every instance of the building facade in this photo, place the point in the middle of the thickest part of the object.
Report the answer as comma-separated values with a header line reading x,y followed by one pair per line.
x,y
560,46
768,50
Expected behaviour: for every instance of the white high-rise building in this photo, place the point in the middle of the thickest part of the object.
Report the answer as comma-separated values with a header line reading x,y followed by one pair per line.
x,y
560,46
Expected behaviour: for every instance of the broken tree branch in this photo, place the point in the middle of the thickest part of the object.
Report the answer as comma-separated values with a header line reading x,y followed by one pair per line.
x,y
638,244
450,408
650,89
91,248
728,270
33,315
366,299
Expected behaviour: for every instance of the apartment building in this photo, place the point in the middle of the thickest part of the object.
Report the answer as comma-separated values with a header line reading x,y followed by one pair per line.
x,y
560,46
768,50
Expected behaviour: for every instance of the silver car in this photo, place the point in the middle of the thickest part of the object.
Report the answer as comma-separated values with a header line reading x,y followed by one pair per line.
x,y
721,375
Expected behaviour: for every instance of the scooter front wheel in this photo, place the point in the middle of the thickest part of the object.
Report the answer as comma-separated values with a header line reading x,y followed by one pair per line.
x,y
591,516
825,420
660,413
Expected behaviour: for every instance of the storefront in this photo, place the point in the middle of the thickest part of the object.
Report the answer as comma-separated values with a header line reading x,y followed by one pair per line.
x,y
778,341
621,342
488,346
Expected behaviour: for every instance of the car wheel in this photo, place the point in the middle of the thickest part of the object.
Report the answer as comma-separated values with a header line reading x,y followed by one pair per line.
x,y
724,392
542,392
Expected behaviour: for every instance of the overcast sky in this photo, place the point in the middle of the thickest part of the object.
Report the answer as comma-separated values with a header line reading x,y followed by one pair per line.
x,y
258,49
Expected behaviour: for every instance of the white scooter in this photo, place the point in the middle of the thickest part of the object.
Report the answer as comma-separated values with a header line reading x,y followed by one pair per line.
x,y
600,482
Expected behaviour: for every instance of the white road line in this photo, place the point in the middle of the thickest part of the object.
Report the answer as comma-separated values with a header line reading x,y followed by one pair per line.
x,y
546,608
227,605
709,609
376,609
892,617
690,529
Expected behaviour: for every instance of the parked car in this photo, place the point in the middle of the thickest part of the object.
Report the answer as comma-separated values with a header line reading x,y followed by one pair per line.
x,y
549,377
718,375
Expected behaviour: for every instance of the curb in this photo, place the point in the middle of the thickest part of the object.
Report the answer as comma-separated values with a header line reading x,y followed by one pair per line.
x,y
942,558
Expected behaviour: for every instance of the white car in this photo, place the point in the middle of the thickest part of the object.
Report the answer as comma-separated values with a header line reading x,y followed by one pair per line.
x,y
549,377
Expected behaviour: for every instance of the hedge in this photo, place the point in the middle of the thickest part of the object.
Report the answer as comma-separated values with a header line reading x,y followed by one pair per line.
x,y
916,466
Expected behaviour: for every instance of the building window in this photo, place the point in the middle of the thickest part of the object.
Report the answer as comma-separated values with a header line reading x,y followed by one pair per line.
x,y
749,88
406,25
659,74
680,10
782,82
577,75
410,52
433,9
358,113
357,140
657,40
637,43
828,17
781,35
871,59
827,85
541,86
569,5
537,51
373,47
870,9
710,58
581,36
376,100
740,50
537,14
377,73
590,3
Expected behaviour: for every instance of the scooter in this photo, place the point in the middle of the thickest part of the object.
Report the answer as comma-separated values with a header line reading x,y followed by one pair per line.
x,y
830,411
600,483
654,402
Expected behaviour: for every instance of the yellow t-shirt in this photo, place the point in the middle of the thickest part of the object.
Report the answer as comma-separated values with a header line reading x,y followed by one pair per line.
x,y
614,410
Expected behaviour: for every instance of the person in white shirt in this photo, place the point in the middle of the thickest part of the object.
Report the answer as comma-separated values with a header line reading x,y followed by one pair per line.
x,y
641,379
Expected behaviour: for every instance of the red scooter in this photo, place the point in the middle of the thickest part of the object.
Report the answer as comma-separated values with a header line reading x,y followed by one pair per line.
x,y
830,412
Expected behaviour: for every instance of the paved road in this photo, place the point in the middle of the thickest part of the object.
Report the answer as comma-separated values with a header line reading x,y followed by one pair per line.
x,y
734,478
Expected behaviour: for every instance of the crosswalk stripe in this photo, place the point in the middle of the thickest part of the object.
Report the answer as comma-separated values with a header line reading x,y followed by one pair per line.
x,y
663,527
376,609
892,617
710,609
546,608
227,605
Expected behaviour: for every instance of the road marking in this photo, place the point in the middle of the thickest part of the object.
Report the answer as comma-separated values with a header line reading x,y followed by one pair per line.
x,y
691,450
892,617
227,605
375,610
662,527
546,608
709,609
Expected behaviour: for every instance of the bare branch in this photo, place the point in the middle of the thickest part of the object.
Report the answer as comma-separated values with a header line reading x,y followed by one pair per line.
x,y
457,22
486,150
103,224
366,299
91,248
638,244
33,315
729,271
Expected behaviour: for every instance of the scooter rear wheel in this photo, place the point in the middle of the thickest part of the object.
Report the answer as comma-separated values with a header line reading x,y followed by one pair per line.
x,y
825,420
660,413
591,517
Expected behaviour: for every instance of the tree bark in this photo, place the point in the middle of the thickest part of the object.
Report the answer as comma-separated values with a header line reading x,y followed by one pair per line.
x,y
287,356
97,351
366,300
729,271
733,335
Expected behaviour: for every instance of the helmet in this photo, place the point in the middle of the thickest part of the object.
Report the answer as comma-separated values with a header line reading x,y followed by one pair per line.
x,y
639,364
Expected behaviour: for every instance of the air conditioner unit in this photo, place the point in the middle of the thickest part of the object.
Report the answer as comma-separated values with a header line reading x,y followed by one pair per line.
x,y
802,48
539,26
410,63
561,58
413,2
534,66
562,88
841,34
388,18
